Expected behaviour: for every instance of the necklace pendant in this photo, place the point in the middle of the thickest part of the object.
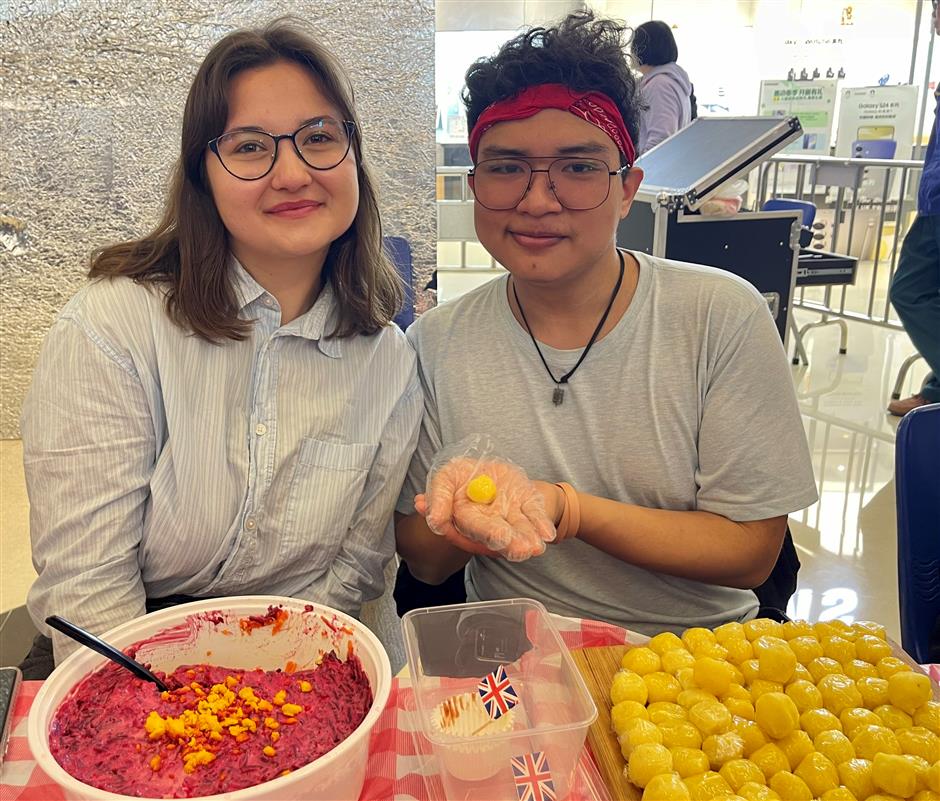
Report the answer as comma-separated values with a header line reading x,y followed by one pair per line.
x,y
558,396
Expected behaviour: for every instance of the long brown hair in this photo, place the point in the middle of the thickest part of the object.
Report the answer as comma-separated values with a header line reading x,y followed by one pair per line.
x,y
188,253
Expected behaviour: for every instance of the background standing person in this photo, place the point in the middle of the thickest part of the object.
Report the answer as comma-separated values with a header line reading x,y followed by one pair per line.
x,y
225,408
665,88
915,288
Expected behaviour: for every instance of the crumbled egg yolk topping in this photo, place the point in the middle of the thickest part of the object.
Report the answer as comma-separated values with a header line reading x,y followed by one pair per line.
x,y
219,712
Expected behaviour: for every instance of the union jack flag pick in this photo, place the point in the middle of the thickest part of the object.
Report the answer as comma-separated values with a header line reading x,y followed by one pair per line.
x,y
533,777
497,693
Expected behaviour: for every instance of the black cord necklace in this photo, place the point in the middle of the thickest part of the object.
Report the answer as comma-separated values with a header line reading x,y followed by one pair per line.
x,y
558,396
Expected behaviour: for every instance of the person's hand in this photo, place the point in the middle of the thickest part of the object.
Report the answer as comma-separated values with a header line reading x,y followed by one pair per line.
x,y
515,524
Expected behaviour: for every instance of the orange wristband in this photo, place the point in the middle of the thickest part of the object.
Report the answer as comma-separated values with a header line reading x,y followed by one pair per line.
x,y
571,515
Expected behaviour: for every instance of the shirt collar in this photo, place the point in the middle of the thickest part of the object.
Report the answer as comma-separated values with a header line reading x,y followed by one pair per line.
x,y
314,324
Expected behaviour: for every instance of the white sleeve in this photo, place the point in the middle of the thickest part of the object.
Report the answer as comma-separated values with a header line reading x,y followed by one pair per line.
x,y
88,453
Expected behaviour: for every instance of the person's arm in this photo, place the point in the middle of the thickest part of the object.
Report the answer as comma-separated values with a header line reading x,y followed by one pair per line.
x,y
88,453
430,558
357,573
665,110
695,545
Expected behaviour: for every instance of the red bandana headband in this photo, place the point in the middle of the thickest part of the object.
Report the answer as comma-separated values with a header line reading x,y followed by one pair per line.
x,y
594,107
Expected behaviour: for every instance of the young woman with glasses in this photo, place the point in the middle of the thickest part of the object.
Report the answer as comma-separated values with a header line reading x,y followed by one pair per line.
x,y
650,400
225,408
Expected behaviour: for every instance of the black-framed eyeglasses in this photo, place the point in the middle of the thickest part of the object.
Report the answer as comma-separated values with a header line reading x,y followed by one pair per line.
x,y
579,184
250,153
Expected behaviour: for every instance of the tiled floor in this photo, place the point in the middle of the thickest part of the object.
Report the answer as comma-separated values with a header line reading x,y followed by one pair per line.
x,y
846,541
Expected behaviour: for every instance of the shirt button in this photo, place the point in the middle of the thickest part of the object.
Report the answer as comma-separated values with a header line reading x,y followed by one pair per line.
x,y
250,524
268,301
261,429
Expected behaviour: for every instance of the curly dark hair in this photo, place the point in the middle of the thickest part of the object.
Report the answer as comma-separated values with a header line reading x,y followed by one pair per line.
x,y
581,52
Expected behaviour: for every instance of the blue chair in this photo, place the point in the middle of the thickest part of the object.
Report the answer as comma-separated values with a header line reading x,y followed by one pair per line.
x,y
805,207
399,251
917,485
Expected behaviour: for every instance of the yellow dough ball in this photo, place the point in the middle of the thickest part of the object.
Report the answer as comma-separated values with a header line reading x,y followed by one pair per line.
x,y
761,687
738,772
757,791
625,711
872,649
713,675
666,641
482,489
739,649
834,745
839,648
873,740
894,774
689,698
860,669
639,732
920,741
770,759
680,734
796,745
806,649
823,666
894,717
816,721
675,659
641,660
760,626
932,776
856,775
707,785
710,717
775,659
839,692
853,720
796,628
646,761
661,687
889,665
728,630
688,761
868,627
805,695
874,691
818,772
838,794
698,636
722,748
790,786
663,711
665,787
628,686
750,733
909,690
740,708
928,716
776,714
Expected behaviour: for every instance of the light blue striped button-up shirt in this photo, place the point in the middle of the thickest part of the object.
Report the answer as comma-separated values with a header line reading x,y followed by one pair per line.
x,y
158,463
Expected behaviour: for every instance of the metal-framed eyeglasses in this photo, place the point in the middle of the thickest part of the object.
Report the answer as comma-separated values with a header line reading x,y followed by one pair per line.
x,y
249,153
579,184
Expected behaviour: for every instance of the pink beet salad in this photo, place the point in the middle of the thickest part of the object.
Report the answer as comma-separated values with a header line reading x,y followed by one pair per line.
x,y
215,730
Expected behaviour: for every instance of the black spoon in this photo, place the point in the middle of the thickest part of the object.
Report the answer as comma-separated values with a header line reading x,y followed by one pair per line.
x,y
96,644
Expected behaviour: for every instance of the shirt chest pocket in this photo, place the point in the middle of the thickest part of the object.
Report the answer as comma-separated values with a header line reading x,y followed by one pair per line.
x,y
324,493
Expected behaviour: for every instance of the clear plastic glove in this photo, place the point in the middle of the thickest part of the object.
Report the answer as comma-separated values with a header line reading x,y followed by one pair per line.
x,y
514,524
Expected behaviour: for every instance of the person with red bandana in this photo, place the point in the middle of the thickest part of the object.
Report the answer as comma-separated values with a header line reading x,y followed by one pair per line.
x,y
650,401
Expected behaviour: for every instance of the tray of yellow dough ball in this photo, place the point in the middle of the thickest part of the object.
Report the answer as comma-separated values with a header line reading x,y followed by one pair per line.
x,y
764,710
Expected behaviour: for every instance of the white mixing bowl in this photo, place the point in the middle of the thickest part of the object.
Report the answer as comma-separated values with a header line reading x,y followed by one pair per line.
x,y
190,636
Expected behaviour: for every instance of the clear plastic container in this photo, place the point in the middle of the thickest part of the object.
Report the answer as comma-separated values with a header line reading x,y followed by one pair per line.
x,y
451,649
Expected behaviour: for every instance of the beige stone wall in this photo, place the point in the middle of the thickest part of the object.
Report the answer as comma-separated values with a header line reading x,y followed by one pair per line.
x,y
91,98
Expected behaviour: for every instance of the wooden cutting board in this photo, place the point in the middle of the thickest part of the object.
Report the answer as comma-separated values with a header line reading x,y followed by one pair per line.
x,y
598,666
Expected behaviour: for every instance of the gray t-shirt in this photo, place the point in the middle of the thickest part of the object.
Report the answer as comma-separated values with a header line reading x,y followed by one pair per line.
x,y
687,404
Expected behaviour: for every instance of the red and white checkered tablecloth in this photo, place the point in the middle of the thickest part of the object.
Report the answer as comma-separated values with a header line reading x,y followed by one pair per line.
x,y
396,771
